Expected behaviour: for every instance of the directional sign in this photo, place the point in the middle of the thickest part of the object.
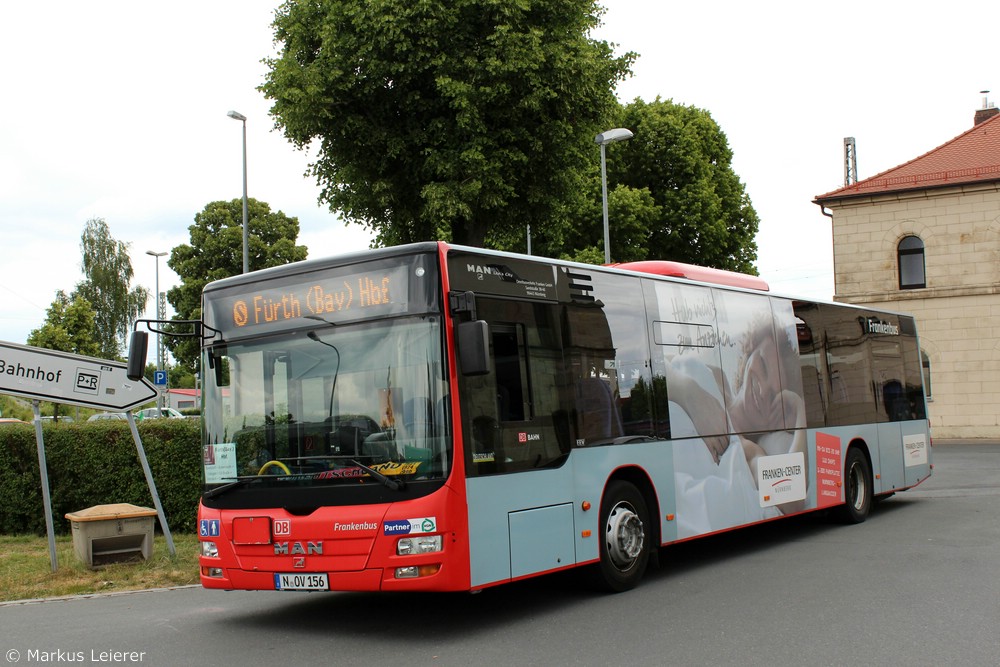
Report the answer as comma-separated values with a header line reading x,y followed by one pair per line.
x,y
48,375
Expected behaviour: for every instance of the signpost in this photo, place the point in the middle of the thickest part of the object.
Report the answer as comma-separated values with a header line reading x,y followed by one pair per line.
x,y
160,380
48,375
60,377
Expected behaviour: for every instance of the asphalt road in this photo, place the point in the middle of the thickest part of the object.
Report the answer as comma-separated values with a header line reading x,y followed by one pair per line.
x,y
917,584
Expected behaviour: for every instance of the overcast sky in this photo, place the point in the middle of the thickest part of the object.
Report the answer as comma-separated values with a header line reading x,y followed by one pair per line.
x,y
118,110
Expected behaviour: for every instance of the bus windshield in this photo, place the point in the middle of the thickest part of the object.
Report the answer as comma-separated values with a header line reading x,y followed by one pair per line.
x,y
329,406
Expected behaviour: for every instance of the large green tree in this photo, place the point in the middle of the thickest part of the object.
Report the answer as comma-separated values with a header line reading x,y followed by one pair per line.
x,y
107,286
216,251
70,326
672,194
461,120
680,158
632,215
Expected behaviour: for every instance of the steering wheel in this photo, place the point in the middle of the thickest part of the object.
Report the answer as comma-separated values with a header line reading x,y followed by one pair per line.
x,y
276,464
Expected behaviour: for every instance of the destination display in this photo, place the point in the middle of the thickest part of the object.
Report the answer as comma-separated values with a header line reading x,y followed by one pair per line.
x,y
328,298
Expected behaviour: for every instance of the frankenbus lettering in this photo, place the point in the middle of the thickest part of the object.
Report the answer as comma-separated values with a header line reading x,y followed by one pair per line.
x,y
880,327
355,525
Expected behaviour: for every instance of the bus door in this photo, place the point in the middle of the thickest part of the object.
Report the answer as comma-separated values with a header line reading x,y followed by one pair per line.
x,y
888,382
515,426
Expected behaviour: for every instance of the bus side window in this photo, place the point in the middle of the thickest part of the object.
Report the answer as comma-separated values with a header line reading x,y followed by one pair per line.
x,y
510,365
598,417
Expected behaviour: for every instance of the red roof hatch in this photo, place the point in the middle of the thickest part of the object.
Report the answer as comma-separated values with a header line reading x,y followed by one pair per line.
x,y
700,273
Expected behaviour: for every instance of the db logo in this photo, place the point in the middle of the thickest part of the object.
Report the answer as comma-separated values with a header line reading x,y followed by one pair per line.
x,y
522,437
282,527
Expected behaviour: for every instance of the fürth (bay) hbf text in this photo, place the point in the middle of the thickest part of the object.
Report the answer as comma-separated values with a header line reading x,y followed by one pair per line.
x,y
318,301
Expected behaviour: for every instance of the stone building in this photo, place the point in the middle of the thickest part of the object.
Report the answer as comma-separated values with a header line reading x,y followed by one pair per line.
x,y
924,238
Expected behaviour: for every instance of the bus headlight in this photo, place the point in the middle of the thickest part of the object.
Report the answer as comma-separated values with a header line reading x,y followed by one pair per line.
x,y
423,544
209,550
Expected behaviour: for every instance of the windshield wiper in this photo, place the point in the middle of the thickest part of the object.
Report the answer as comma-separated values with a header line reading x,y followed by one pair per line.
x,y
394,484
238,482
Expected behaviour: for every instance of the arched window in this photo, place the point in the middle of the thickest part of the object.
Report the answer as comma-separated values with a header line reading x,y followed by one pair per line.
x,y
911,263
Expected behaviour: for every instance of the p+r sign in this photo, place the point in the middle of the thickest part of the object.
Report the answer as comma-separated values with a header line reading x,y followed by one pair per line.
x,y
61,377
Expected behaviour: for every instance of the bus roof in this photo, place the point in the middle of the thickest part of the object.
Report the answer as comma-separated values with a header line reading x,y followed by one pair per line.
x,y
699,273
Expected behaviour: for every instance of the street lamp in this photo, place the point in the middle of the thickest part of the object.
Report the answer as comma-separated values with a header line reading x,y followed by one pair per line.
x,y
160,315
246,237
602,140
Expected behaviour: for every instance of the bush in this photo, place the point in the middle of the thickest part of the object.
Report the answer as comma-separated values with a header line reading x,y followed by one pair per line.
x,y
96,463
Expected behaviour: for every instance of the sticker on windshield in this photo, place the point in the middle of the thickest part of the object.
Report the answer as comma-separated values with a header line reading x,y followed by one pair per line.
x,y
393,468
410,526
220,462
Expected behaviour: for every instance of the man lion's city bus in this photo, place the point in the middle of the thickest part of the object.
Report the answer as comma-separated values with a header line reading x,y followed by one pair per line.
x,y
439,418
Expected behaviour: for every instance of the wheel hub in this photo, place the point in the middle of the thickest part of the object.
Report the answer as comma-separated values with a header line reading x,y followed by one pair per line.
x,y
625,537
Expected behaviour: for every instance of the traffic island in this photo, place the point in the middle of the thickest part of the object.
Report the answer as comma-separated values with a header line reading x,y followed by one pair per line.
x,y
116,533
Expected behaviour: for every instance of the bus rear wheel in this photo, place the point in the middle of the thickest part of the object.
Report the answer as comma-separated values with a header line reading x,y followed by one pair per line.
x,y
625,538
858,488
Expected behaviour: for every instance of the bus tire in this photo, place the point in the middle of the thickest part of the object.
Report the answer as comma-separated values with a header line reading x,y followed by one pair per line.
x,y
858,488
624,534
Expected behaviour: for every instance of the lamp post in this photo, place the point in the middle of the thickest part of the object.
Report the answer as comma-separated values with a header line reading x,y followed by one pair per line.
x,y
602,140
160,316
246,236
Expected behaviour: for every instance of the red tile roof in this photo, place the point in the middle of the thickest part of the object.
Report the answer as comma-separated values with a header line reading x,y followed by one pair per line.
x,y
971,157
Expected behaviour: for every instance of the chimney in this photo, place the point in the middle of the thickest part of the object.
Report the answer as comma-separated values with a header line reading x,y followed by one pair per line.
x,y
987,112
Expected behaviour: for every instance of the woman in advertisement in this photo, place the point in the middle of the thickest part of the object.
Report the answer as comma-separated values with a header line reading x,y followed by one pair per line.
x,y
733,405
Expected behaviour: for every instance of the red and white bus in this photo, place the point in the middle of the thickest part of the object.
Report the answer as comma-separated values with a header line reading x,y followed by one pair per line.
x,y
440,418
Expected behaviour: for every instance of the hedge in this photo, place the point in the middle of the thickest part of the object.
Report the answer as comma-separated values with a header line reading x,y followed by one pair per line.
x,y
96,463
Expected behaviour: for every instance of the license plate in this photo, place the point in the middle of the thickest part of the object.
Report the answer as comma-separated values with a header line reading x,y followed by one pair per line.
x,y
301,582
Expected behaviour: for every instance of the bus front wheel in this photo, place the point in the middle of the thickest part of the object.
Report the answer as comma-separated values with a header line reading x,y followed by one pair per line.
x,y
858,488
624,538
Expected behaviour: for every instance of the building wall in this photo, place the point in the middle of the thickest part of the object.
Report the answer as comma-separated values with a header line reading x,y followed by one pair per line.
x,y
958,313
183,400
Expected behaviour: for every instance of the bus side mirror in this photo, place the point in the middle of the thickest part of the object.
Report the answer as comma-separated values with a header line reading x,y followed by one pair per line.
x,y
137,355
474,347
216,362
